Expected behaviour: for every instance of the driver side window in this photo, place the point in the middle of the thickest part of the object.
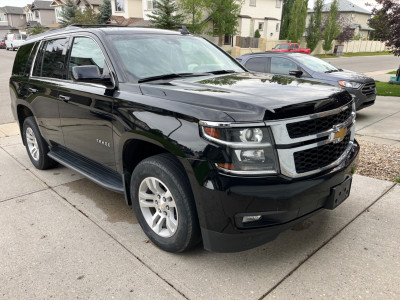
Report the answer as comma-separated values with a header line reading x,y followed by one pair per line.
x,y
86,52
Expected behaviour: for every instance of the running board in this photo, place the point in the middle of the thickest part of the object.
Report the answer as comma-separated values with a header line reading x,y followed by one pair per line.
x,y
94,171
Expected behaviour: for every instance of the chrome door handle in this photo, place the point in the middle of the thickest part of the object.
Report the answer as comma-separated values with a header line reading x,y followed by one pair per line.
x,y
64,98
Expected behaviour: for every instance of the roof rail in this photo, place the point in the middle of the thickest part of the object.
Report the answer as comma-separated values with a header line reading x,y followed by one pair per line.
x,y
96,25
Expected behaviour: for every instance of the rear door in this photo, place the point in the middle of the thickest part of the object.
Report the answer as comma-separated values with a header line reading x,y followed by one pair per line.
x,y
257,64
47,74
86,112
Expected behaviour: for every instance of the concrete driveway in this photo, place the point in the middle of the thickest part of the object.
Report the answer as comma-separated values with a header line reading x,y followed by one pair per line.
x,y
63,236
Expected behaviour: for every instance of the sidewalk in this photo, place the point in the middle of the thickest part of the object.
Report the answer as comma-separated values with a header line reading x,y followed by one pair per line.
x,y
65,237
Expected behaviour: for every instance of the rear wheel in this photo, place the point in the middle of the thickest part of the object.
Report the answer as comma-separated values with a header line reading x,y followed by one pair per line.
x,y
164,204
36,146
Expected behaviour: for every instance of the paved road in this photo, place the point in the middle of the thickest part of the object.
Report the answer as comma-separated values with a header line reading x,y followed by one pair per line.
x,y
366,64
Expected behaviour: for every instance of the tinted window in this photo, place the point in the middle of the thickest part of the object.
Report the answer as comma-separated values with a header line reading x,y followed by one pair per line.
x,y
23,60
86,52
315,64
282,66
291,47
256,64
296,46
50,61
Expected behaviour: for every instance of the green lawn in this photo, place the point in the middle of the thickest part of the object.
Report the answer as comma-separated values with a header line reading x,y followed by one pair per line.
x,y
393,72
354,54
387,89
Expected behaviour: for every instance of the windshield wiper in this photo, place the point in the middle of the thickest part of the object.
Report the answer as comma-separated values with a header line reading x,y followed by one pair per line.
x,y
331,71
170,76
222,72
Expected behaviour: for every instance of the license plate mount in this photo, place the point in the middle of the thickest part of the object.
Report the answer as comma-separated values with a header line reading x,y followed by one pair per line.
x,y
339,193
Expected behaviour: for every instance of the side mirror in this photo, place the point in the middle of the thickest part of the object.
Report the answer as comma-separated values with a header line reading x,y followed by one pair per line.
x,y
296,73
91,74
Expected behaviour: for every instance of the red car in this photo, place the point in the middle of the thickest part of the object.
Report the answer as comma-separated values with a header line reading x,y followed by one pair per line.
x,y
2,44
290,47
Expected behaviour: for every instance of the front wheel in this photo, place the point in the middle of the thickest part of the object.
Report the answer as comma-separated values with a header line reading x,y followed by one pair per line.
x,y
164,204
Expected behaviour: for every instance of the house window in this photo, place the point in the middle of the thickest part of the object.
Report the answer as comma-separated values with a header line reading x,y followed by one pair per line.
x,y
36,14
278,3
119,5
252,2
227,39
260,26
2,17
58,12
151,4
277,27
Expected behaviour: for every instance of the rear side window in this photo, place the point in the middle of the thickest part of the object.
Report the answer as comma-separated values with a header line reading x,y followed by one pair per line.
x,y
50,61
23,60
256,64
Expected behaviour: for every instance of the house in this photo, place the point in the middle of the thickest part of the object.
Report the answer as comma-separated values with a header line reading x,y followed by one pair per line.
x,y
40,12
95,4
57,5
12,19
355,15
264,15
131,12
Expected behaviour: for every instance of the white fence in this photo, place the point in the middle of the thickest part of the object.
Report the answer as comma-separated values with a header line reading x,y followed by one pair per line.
x,y
349,47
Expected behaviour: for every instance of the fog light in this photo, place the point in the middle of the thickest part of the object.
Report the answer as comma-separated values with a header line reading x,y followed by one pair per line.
x,y
247,219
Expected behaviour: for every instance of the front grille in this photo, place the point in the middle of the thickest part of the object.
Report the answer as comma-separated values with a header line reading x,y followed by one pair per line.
x,y
368,88
319,157
314,126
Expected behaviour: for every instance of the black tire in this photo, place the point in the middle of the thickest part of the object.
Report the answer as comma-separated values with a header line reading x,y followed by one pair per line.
x,y
166,169
42,161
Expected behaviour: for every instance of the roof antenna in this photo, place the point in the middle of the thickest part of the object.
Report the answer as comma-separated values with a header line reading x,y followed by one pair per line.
x,y
184,30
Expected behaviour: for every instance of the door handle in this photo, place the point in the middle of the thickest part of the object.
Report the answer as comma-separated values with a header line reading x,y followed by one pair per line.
x,y
64,98
33,91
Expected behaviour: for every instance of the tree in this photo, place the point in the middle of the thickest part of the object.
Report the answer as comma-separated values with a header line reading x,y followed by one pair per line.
x,y
257,34
224,14
194,9
386,24
314,28
166,15
297,25
332,28
88,16
68,13
105,12
287,7
347,32
36,29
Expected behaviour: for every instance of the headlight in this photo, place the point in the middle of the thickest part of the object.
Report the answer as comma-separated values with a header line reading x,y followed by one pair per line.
x,y
350,84
248,150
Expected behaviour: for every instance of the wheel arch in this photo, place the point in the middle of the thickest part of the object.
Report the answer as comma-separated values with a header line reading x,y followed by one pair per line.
x,y
23,112
134,150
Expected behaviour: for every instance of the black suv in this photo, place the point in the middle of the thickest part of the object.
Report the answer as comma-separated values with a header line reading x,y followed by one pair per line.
x,y
201,148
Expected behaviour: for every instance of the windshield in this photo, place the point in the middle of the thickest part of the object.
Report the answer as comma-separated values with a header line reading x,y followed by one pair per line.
x,y
316,64
156,55
282,46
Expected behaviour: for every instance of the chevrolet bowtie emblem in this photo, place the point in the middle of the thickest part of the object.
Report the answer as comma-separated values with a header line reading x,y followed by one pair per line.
x,y
338,134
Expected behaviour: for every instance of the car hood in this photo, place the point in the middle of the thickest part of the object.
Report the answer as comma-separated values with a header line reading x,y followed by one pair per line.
x,y
344,75
251,97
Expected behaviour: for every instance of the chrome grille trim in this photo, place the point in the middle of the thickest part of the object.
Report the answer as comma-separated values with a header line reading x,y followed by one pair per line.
x,y
282,138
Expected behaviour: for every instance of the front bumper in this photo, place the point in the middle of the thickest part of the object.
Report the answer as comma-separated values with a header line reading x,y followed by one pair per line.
x,y
223,200
361,100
